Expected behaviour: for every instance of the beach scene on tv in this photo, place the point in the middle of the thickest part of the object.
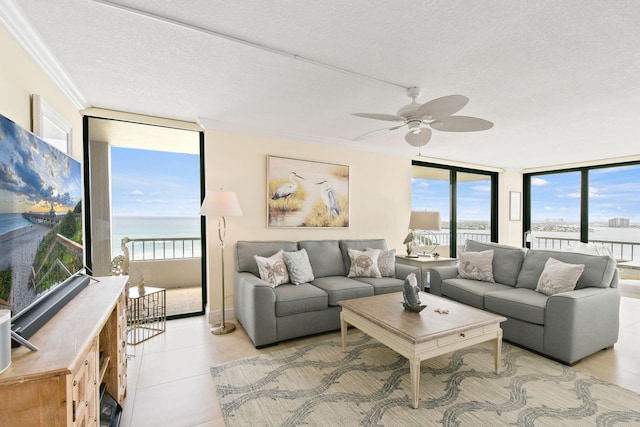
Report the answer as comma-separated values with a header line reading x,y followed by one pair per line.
x,y
40,217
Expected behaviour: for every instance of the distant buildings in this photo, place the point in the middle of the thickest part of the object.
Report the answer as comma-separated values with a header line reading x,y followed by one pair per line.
x,y
619,222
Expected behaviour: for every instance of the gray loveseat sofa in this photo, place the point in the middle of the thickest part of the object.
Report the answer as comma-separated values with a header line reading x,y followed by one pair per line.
x,y
273,314
565,326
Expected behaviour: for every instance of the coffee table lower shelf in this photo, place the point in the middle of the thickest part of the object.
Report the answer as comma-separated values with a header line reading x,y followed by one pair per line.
x,y
416,352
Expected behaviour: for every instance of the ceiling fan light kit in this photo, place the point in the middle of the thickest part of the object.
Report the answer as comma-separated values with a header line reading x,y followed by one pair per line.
x,y
419,118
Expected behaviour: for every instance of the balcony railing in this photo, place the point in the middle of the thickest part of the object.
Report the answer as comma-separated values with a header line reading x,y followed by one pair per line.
x,y
163,249
622,251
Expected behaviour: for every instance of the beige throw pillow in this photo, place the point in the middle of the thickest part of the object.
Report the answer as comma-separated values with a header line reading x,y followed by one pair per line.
x,y
558,276
364,263
273,269
476,265
386,262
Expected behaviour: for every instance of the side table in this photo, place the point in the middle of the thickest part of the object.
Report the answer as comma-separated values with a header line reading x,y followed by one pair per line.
x,y
146,313
425,263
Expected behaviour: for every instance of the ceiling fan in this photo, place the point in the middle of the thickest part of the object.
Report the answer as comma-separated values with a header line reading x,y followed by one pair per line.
x,y
421,118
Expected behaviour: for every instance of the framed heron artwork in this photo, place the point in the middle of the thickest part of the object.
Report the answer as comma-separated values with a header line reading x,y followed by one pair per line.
x,y
304,193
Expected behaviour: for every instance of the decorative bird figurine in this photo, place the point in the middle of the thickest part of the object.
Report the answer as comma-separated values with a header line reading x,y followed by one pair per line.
x,y
329,198
288,188
410,292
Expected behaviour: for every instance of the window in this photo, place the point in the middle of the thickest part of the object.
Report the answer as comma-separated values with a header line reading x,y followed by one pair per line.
x,y
465,198
598,205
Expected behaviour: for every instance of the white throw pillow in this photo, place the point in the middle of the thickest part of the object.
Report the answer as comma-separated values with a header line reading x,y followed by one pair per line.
x,y
386,262
298,266
364,263
476,265
273,269
558,276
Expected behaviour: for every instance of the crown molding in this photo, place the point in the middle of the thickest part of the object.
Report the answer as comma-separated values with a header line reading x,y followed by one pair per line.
x,y
13,19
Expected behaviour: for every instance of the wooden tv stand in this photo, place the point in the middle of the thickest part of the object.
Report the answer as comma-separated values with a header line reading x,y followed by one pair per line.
x,y
82,346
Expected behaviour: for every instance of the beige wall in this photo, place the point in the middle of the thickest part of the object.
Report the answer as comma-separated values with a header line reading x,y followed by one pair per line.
x,y
20,77
380,197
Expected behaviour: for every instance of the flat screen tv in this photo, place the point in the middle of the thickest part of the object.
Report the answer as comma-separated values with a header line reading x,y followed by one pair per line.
x,y
41,244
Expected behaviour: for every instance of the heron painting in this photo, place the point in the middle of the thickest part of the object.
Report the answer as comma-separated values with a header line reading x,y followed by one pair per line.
x,y
303,193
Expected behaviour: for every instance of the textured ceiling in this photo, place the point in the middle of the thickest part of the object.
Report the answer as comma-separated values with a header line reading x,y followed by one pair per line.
x,y
560,80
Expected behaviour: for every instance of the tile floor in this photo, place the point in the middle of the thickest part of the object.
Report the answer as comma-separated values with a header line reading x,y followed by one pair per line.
x,y
169,382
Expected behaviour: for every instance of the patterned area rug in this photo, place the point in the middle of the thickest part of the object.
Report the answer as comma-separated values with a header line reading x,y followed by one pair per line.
x,y
319,385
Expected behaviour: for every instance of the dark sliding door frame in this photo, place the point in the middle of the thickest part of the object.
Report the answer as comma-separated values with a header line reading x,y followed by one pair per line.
x,y
453,194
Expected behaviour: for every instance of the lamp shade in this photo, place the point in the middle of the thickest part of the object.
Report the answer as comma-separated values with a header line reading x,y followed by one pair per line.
x,y
423,220
220,203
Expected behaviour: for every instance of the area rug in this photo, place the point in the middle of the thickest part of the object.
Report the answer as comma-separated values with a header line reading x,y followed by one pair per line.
x,y
368,385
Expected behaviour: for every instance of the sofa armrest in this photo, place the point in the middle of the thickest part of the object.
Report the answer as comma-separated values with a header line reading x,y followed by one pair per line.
x,y
581,322
254,302
403,270
438,274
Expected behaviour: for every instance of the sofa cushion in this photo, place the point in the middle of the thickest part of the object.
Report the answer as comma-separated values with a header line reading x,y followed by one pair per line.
x,y
558,276
599,270
470,292
386,262
476,265
364,263
359,245
507,260
522,304
244,252
298,266
325,257
342,288
273,269
383,285
292,299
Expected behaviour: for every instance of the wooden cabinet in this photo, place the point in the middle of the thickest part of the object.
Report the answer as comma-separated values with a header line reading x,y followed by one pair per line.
x,y
82,346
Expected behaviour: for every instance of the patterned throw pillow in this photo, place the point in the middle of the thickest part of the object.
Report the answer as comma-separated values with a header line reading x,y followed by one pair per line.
x,y
364,263
558,276
299,266
476,265
273,269
386,262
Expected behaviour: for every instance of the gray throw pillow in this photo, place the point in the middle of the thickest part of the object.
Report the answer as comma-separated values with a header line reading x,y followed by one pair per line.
x,y
298,266
273,269
558,276
364,263
386,262
476,265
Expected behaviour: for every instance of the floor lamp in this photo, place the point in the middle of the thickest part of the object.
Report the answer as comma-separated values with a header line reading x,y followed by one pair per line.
x,y
221,204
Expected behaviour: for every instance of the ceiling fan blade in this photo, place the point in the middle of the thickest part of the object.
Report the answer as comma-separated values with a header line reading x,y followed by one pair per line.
x,y
461,124
418,137
388,117
376,133
442,107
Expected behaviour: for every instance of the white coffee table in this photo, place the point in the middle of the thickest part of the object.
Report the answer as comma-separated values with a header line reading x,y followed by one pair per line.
x,y
421,336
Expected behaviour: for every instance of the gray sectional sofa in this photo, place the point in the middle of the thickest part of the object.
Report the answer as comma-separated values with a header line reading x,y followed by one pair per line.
x,y
272,314
565,326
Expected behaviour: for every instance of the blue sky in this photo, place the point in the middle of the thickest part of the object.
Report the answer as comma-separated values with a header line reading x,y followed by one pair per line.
x,y
34,176
613,192
433,195
154,183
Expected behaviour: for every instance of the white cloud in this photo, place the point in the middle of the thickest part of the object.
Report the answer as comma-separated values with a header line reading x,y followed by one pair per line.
x,y
538,182
136,193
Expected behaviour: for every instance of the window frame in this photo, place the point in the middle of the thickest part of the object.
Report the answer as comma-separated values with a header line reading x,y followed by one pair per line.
x,y
453,195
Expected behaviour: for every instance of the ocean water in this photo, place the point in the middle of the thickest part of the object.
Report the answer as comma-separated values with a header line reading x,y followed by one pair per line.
x,y
152,228
12,221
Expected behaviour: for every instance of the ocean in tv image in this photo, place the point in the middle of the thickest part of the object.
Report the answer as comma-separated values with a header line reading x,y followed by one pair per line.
x,y
40,217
